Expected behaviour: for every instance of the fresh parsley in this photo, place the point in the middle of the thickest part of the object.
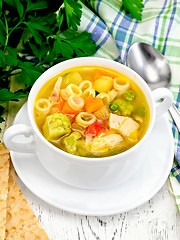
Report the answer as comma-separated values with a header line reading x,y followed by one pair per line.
x,y
134,7
35,35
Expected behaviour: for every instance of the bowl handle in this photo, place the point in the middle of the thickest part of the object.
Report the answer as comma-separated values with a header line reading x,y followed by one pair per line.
x,y
23,146
166,96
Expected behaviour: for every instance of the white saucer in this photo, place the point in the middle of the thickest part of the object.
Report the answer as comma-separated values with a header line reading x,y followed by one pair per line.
x,y
136,190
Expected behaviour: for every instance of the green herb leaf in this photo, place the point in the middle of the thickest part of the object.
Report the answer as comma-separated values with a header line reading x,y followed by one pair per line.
x,y
20,8
6,95
60,20
73,13
35,34
31,6
2,59
82,44
134,7
39,25
30,73
2,33
62,47
11,57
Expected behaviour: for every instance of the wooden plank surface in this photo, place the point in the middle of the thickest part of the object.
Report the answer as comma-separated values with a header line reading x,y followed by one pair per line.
x,y
158,219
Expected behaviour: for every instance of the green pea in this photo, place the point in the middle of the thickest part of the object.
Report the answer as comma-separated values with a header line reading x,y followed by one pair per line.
x,y
114,107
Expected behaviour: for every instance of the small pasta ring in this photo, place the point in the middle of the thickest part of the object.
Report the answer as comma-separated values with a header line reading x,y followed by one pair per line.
x,y
73,89
88,92
105,97
64,94
84,85
75,102
121,87
43,106
80,119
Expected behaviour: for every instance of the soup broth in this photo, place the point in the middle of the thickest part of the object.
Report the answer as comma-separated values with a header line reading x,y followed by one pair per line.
x,y
91,112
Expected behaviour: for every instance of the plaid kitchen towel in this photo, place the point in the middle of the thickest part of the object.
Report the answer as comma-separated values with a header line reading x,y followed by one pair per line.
x,y
114,31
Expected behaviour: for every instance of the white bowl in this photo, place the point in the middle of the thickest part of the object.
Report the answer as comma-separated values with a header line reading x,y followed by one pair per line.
x,y
79,171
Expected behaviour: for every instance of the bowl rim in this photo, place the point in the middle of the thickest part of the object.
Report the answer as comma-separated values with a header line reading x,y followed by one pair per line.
x,y
88,61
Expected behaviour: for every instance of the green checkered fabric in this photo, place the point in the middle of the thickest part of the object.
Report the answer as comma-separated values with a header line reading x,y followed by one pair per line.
x,y
114,31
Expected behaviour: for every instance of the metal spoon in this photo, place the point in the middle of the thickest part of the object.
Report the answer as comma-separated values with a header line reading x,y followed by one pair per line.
x,y
153,67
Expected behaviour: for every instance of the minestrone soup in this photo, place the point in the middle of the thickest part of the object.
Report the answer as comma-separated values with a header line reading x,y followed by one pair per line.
x,y
92,112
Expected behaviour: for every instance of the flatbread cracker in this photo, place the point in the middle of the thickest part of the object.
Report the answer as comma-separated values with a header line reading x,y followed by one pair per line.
x,y
17,221
4,177
21,224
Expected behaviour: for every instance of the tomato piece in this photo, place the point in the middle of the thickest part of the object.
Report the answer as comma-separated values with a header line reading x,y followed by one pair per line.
x,y
94,129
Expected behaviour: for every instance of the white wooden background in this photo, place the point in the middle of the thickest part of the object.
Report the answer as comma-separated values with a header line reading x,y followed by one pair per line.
x,y
158,219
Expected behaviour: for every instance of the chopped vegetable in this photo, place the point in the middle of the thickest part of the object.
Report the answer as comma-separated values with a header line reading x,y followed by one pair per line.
x,y
114,107
81,148
94,129
55,126
103,84
72,78
125,107
66,109
57,107
92,104
71,142
130,96
102,113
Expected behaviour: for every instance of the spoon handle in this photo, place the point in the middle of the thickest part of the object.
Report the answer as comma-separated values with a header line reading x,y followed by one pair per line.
x,y
175,114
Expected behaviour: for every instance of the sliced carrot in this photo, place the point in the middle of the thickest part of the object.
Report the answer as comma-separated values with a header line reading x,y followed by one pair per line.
x,y
66,109
71,117
93,104
57,107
